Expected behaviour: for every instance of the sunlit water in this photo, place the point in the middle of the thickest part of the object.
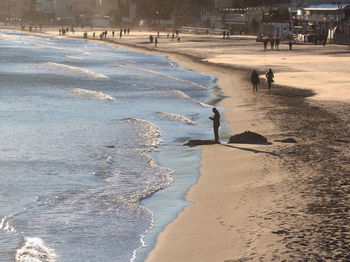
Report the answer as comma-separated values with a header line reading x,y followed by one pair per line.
x,y
87,132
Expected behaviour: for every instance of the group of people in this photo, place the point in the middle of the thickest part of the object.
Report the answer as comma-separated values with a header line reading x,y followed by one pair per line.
x,y
254,78
255,81
274,42
225,34
155,39
105,33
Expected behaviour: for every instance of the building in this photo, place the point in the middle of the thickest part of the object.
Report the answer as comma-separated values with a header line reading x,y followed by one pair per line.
x,y
4,9
62,8
223,4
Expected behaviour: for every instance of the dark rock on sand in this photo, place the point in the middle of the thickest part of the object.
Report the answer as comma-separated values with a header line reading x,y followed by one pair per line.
x,y
200,142
248,138
287,140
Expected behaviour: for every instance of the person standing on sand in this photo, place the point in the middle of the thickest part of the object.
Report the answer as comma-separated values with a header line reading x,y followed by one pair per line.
x,y
216,124
269,77
254,78
265,43
277,43
272,42
155,42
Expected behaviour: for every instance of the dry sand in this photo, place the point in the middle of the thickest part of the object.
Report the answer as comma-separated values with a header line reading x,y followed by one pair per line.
x,y
266,202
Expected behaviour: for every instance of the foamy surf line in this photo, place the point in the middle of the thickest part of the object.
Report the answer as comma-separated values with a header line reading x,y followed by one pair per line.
x,y
182,94
176,117
93,94
34,249
72,57
163,75
78,69
64,49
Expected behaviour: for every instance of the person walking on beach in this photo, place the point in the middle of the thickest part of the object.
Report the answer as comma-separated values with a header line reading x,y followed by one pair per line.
x,y
269,77
155,42
272,41
265,43
216,124
277,43
254,78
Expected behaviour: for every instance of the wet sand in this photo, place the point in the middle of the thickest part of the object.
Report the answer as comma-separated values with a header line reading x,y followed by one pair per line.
x,y
266,202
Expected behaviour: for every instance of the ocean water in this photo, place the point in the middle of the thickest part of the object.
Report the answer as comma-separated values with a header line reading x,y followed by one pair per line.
x,y
89,133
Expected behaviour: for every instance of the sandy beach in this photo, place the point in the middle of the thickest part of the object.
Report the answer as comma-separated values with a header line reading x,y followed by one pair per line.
x,y
275,202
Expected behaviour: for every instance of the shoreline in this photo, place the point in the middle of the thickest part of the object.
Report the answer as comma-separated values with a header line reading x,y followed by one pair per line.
x,y
270,198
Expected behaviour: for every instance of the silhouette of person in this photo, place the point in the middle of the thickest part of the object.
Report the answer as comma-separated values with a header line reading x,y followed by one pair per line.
x,y
269,77
216,124
277,43
254,78
155,42
272,41
265,43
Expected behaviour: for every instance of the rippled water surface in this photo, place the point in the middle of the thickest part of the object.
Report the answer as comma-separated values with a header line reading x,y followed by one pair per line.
x,y
86,130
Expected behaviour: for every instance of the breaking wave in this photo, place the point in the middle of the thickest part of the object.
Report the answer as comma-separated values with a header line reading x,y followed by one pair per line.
x,y
183,95
65,49
149,132
93,94
35,250
6,225
69,57
77,69
175,117
163,75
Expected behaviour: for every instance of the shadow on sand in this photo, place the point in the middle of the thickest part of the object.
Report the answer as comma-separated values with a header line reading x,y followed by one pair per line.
x,y
252,150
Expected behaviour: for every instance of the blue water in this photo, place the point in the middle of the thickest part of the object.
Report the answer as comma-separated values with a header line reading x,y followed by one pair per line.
x,y
88,133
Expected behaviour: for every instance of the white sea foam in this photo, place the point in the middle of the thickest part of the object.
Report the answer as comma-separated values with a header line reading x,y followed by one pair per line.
x,y
163,75
6,225
65,49
150,133
35,250
77,69
93,94
69,57
182,94
108,159
175,117
142,237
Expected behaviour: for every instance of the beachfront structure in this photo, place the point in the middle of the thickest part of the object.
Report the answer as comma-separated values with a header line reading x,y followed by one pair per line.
x,y
223,4
12,10
316,21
